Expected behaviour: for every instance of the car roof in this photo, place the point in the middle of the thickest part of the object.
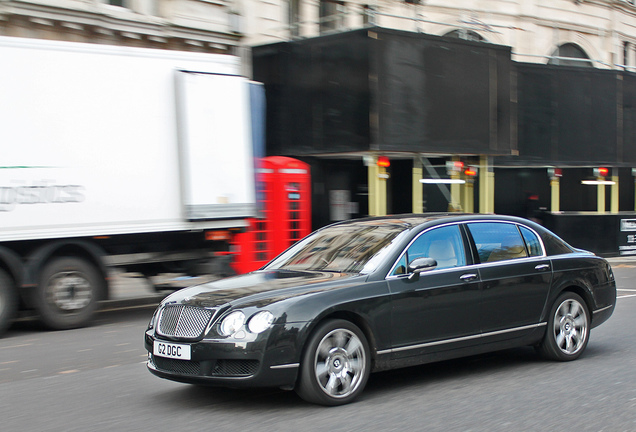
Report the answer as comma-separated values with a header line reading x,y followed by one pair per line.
x,y
412,220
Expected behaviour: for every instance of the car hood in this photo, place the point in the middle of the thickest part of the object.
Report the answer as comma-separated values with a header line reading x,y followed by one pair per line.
x,y
259,288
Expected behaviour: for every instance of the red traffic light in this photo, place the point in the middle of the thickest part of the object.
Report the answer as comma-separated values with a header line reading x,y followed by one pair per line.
x,y
470,172
384,162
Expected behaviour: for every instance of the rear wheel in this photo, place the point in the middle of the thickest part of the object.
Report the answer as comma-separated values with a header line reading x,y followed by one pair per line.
x,y
67,292
8,301
335,365
568,329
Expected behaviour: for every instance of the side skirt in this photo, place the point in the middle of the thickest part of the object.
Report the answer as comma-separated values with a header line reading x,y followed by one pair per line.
x,y
444,350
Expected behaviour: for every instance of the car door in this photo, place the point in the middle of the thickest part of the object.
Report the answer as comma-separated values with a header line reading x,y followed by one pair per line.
x,y
439,309
515,275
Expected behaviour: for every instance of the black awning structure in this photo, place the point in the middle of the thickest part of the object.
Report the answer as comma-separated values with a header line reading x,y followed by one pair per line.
x,y
385,90
390,91
573,117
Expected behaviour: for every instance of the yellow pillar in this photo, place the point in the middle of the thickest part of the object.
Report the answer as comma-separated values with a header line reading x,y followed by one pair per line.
x,y
614,203
377,177
383,176
417,204
486,186
600,196
555,194
491,185
372,171
469,196
455,204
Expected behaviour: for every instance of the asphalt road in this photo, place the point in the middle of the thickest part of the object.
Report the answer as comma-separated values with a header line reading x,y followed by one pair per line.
x,y
95,379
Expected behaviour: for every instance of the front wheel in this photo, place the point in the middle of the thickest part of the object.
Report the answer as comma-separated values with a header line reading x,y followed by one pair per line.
x,y
67,292
335,364
568,329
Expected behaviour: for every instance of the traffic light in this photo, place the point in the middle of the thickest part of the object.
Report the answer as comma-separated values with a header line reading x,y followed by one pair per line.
x,y
383,162
454,167
601,172
471,171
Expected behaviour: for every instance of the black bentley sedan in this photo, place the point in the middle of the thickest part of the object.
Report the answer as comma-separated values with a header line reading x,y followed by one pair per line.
x,y
372,294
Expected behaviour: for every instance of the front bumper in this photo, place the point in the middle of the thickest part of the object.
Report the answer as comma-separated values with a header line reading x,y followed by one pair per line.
x,y
268,360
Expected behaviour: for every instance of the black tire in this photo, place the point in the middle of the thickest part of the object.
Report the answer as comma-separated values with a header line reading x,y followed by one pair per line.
x,y
568,329
335,365
8,301
67,293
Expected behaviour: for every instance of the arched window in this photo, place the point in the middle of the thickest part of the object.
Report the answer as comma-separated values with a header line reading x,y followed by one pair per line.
x,y
573,51
465,35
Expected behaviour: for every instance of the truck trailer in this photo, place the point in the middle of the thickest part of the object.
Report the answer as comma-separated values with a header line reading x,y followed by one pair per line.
x,y
116,158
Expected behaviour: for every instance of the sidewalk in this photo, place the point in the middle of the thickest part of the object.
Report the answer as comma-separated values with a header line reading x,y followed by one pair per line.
x,y
622,260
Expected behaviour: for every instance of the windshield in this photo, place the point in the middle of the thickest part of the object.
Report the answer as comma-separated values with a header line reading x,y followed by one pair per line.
x,y
346,248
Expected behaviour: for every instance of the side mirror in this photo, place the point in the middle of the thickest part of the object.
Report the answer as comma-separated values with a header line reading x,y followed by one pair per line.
x,y
419,265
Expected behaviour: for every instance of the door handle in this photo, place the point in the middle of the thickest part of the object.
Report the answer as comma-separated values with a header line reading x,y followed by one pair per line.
x,y
468,277
542,267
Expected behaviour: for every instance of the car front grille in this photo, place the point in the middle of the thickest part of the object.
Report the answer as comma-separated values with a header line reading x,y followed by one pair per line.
x,y
181,321
218,368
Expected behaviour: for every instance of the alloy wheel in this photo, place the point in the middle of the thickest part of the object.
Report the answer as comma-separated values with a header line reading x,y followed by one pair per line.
x,y
340,363
570,326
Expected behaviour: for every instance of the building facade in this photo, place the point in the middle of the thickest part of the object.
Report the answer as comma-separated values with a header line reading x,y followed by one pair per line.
x,y
188,25
602,33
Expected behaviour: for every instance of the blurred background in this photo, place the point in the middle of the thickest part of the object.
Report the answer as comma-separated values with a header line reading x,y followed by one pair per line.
x,y
149,145
204,137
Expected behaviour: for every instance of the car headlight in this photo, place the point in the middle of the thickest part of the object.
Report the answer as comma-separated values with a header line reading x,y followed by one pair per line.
x,y
260,322
232,323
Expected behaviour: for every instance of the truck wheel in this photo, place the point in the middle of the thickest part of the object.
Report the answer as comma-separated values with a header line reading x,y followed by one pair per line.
x,y
335,365
67,293
8,301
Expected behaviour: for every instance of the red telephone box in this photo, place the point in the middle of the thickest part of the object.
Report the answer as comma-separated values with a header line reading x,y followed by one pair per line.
x,y
284,194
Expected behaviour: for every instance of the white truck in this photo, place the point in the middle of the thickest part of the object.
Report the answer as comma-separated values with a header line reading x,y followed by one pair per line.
x,y
114,156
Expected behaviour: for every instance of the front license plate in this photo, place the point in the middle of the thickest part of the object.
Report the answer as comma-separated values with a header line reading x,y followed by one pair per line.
x,y
171,350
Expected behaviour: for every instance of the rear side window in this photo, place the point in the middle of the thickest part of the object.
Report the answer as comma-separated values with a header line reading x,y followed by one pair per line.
x,y
497,241
532,241
554,245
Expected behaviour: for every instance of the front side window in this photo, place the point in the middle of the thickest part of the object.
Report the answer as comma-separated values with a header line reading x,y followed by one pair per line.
x,y
444,245
497,241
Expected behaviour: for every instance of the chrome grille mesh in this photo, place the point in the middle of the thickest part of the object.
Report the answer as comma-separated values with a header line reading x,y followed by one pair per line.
x,y
181,367
183,321
235,368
